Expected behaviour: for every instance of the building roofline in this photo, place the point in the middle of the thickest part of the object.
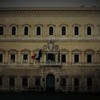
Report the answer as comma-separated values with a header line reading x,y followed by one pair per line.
x,y
81,8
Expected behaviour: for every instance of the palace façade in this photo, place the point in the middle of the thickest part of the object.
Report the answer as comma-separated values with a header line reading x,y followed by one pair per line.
x,y
50,49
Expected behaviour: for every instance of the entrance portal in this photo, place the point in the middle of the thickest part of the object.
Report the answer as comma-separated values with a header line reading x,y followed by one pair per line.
x,y
50,82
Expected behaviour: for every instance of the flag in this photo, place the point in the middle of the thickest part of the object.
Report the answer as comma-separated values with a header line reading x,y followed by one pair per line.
x,y
33,56
39,55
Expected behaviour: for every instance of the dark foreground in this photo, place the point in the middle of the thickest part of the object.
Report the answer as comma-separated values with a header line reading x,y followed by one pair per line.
x,y
48,96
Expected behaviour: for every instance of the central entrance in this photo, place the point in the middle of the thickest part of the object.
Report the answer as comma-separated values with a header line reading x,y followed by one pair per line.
x,y
50,82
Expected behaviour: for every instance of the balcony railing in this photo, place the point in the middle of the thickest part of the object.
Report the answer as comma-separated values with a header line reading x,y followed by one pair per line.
x,y
48,64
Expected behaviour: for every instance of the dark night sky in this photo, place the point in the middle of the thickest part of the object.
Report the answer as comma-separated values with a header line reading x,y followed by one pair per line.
x,y
49,3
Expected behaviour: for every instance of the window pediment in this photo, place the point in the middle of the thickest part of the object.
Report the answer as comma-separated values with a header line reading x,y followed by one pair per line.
x,y
98,51
91,25
61,25
26,25
76,51
89,51
78,25
64,50
14,25
2,51
53,25
25,51
12,51
41,25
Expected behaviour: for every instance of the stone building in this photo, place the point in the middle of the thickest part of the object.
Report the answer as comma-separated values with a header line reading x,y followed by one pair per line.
x,y
44,49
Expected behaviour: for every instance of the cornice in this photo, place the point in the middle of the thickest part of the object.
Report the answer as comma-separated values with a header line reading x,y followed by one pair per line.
x,y
49,11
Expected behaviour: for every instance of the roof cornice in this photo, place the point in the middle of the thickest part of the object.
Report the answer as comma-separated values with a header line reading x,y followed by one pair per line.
x,y
51,8
49,11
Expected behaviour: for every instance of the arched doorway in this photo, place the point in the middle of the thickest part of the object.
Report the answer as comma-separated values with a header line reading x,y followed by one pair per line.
x,y
50,82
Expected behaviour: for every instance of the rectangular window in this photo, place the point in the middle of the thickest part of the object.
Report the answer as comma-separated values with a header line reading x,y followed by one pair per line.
x,y
24,81
76,58
11,81
76,82
25,57
1,58
37,81
12,58
89,58
89,83
1,81
63,82
1,30
63,58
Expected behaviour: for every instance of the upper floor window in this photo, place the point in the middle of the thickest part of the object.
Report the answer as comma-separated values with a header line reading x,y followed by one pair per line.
x,y
1,58
51,30
63,30
1,30
26,30
2,55
38,30
12,55
89,58
13,30
25,56
76,30
76,58
63,58
88,30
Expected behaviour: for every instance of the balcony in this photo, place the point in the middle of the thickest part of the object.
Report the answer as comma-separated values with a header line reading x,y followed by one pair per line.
x,y
48,64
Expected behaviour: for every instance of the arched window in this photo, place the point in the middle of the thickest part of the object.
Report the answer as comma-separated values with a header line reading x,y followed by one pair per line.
x,y
1,30
25,30
38,30
88,30
50,30
13,30
76,30
63,30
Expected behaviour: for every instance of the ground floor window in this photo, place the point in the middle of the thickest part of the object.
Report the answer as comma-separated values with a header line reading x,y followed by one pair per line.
x,y
1,81
12,81
25,81
63,81
89,83
37,81
76,84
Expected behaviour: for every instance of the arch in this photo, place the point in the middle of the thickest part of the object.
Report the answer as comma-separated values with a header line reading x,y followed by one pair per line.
x,y
50,82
